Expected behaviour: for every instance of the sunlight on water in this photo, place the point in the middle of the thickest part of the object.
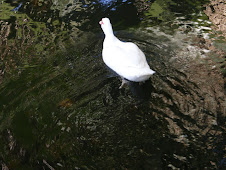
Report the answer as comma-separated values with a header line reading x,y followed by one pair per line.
x,y
61,107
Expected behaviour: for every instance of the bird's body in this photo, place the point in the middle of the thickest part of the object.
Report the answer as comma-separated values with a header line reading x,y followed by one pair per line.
x,y
125,58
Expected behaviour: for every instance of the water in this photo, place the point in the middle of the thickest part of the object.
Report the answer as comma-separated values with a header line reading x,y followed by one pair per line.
x,y
61,107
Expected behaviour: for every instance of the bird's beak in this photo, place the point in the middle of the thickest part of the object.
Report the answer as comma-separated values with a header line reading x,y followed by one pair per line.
x,y
101,22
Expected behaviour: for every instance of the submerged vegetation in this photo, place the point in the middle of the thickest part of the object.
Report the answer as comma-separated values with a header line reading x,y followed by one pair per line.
x,y
60,108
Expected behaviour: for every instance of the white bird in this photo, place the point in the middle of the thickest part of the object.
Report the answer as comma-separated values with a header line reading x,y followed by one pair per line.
x,y
125,58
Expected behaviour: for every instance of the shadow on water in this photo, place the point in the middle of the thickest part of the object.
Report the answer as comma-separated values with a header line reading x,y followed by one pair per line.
x,y
61,107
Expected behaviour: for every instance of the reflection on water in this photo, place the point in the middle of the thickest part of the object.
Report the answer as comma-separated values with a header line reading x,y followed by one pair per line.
x,y
61,107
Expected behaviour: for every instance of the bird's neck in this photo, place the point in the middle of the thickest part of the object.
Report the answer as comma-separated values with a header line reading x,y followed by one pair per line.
x,y
108,31
109,36
110,40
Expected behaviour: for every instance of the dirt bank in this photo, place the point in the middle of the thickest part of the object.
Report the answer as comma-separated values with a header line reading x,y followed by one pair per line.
x,y
216,11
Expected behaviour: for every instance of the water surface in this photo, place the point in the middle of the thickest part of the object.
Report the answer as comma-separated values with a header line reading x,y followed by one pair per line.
x,y
61,107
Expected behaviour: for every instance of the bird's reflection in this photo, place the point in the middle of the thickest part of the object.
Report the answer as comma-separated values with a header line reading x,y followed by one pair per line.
x,y
141,91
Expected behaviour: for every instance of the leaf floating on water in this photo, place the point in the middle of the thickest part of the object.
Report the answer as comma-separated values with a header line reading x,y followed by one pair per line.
x,y
65,103
28,66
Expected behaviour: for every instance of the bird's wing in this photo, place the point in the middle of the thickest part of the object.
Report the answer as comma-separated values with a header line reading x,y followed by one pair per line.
x,y
124,55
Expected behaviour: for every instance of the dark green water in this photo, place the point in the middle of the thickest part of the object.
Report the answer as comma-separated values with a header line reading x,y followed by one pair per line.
x,y
60,106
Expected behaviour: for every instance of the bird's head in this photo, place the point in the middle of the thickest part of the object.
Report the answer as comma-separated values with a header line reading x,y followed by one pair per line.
x,y
106,26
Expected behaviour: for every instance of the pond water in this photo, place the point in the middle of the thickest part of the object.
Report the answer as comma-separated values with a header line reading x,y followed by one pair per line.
x,y
61,107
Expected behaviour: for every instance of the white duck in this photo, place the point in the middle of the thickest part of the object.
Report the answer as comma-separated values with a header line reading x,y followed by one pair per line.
x,y
125,58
